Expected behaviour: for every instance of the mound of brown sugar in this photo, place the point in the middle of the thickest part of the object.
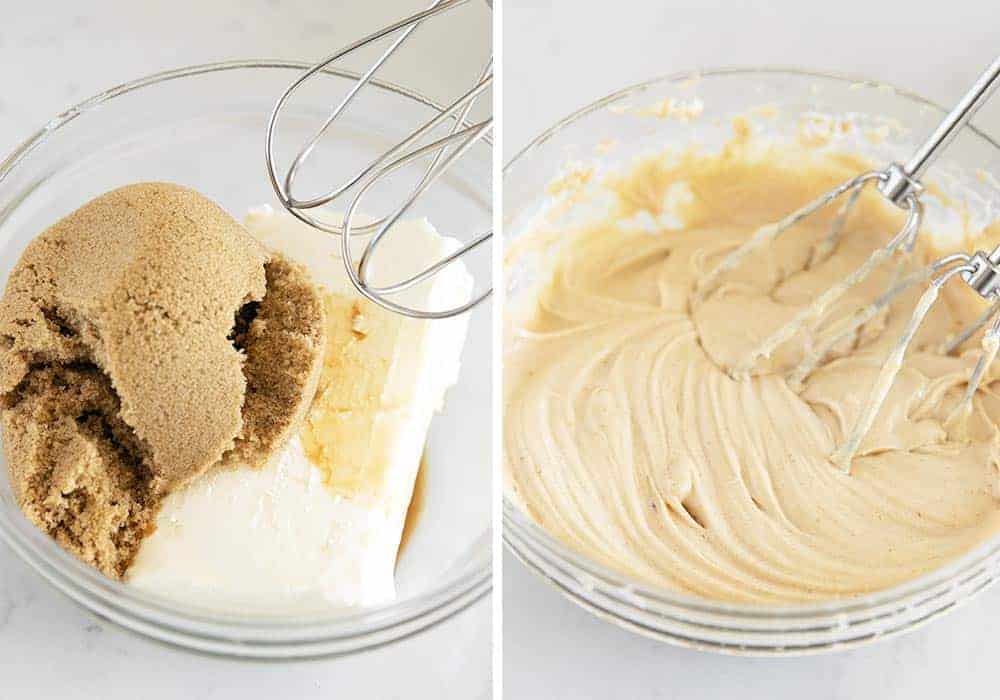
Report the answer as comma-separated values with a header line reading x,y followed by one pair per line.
x,y
283,338
144,338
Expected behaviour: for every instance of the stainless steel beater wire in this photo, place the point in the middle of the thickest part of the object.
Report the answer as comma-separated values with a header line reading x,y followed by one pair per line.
x,y
949,346
483,127
771,231
815,356
951,259
430,175
465,101
832,239
845,453
445,113
366,255
399,155
433,269
362,81
901,186
824,301
983,362
345,239
436,267
283,196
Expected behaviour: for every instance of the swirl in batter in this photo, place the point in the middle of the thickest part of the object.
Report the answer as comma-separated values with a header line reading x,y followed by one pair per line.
x,y
628,440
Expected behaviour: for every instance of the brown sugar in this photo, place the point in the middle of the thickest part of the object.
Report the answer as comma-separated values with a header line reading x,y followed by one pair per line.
x,y
284,344
144,338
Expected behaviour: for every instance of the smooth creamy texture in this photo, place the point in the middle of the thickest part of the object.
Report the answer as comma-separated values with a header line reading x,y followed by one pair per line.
x,y
626,438
321,524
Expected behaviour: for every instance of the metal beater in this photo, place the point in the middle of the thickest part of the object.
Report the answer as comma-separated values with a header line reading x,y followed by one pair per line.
x,y
900,184
442,153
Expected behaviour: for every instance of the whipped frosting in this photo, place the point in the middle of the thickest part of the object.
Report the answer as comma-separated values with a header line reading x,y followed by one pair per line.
x,y
627,437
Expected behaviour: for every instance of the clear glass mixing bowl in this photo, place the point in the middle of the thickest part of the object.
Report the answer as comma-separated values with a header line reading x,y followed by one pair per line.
x,y
204,127
607,134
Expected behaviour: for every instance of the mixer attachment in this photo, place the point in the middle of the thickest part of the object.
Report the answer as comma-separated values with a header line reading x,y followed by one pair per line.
x,y
767,234
442,152
900,184
980,271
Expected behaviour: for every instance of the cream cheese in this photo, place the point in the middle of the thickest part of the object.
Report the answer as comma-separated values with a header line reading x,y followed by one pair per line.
x,y
320,525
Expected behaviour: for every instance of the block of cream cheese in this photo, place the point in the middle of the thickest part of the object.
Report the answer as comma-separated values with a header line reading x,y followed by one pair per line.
x,y
320,525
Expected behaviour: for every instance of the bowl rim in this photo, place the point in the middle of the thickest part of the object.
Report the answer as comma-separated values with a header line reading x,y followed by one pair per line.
x,y
710,72
223,633
517,525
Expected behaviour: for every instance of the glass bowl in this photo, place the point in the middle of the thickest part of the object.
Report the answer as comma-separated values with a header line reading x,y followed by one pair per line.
x,y
204,127
779,103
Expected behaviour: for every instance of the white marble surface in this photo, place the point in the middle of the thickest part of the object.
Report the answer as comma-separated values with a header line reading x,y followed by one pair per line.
x,y
56,53
556,650
51,648
562,54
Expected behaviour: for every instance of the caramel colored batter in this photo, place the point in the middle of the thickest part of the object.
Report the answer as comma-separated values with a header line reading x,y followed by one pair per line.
x,y
627,438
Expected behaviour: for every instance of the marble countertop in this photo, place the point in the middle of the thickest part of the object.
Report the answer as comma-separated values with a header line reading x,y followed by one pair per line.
x,y
57,53
52,648
554,649
560,55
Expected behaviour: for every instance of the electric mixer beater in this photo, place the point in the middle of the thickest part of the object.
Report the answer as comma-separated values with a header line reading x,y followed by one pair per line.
x,y
442,152
900,184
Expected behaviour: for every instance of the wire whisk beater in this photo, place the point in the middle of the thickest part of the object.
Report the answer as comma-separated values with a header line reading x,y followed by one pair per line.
x,y
442,152
899,184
